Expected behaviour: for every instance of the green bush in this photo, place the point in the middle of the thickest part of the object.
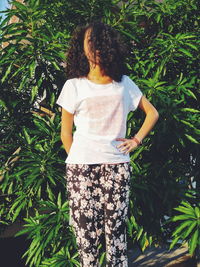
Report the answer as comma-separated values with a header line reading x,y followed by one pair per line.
x,y
163,39
189,228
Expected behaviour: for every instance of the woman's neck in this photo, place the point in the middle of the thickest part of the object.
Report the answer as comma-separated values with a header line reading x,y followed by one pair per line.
x,y
97,75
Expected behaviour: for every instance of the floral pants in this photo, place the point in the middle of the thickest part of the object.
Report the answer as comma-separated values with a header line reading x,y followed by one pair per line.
x,y
98,197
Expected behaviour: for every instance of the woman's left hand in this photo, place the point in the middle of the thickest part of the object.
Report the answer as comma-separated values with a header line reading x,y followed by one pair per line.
x,y
128,145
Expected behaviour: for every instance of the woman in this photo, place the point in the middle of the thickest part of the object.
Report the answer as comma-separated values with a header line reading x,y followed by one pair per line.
x,y
97,97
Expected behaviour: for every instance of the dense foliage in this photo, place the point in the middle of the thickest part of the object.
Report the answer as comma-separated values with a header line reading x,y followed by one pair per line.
x,y
163,40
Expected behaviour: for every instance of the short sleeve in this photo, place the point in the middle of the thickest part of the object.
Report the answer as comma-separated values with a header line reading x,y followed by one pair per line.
x,y
135,95
67,97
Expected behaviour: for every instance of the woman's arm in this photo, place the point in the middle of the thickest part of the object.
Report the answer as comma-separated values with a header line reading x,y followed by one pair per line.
x,y
150,120
66,129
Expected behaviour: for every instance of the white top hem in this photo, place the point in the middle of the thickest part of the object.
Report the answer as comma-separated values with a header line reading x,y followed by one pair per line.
x,y
115,162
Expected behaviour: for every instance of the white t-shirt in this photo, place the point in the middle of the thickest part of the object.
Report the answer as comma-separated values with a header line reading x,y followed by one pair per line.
x,y
100,116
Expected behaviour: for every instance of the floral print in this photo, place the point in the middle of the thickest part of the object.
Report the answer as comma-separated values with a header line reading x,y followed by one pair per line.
x,y
98,197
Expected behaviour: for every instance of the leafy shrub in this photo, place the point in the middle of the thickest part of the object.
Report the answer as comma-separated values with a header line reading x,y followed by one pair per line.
x,y
164,46
189,228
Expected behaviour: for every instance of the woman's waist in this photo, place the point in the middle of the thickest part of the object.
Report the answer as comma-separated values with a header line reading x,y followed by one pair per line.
x,y
96,140
97,145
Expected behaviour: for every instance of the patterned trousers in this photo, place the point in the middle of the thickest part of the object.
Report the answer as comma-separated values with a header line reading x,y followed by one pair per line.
x,y
98,197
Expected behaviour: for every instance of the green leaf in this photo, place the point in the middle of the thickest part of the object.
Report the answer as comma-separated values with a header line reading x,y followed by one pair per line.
x,y
22,83
50,193
192,139
181,227
139,233
102,258
187,123
17,33
3,104
15,204
186,204
193,242
22,232
19,5
75,262
51,179
190,110
21,172
39,147
175,240
143,242
56,65
182,217
190,93
7,73
197,212
59,203
133,222
32,67
186,36
189,230
185,210
4,21
128,34
192,46
34,92
20,69
17,211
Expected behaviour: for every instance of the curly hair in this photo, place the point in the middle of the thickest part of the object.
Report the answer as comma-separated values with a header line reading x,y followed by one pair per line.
x,y
112,51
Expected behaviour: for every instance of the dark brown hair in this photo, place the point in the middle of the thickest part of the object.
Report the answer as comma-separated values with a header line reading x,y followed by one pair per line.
x,y
105,39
